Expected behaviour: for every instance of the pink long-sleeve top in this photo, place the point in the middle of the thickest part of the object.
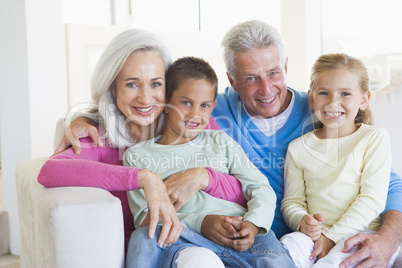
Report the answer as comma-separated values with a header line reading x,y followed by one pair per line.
x,y
102,167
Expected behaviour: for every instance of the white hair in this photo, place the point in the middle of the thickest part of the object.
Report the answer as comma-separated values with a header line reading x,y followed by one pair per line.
x,y
248,36
105,110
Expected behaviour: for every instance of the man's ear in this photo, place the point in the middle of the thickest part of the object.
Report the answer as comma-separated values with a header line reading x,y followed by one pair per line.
x,y
365,100
231,81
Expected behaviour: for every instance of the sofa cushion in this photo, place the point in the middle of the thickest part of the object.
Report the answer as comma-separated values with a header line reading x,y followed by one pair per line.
x,y
386,108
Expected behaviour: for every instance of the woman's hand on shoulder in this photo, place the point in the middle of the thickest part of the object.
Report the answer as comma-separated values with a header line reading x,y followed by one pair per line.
x,y
80,127
182,186
159,206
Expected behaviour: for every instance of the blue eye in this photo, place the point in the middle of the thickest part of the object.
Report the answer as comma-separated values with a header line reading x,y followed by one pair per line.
x,y
204,105
322,93
346,94
156,84
187,103
131,85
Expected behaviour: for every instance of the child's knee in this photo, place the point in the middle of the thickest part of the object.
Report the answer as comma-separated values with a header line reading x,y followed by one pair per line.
x,y
198,257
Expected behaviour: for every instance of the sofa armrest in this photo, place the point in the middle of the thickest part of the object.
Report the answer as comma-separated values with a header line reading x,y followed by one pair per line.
x,y
67,226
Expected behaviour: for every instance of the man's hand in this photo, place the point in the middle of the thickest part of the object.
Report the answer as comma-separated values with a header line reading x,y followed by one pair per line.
x,y
246,232
376,249
80,127
321,247
184,185
219,229
310,225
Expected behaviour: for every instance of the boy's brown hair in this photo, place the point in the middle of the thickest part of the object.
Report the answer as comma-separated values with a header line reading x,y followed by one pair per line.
x,y
189,67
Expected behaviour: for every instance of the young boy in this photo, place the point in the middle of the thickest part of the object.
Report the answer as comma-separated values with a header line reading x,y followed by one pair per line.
x,y
191,91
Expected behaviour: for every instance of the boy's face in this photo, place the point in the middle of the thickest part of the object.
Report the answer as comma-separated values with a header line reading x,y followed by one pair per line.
x,y
189,109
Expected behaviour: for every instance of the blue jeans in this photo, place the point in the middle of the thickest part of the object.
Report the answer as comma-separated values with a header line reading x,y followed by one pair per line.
x,y
266,251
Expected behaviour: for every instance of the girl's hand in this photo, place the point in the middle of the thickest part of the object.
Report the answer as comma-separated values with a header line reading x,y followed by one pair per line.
x,y
321,247
219,230
159,206
182,186
80,127
311,225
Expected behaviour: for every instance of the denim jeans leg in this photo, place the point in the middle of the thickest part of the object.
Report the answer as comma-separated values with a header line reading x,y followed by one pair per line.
x,y
143,251
267,251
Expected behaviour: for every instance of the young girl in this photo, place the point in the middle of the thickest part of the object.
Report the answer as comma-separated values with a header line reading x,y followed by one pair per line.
x,y
336,177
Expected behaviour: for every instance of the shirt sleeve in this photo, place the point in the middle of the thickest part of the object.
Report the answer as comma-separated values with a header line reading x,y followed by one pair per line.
x,y
88,170
294,203
225,186
221,185
261,198
394,198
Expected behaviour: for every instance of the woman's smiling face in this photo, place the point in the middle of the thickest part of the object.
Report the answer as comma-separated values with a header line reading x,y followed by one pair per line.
x,y
140,87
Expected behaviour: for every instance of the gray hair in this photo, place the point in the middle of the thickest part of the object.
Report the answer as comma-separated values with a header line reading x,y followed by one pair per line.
x,y
248,36
108,67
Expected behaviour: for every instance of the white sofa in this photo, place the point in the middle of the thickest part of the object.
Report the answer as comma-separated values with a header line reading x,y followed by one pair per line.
x,y
83,227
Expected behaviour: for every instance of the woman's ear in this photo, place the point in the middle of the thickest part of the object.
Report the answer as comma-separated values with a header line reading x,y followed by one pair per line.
x,y
113,89
365,100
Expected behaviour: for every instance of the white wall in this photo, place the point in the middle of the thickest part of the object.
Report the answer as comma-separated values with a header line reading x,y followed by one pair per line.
x,y
301,33
33,89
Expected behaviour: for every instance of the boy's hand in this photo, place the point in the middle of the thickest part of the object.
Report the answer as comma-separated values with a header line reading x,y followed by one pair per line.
x,y
311,225
217,229
321,247
246,232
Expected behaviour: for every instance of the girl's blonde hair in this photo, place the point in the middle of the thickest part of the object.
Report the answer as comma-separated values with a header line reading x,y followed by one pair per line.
x,y
337,61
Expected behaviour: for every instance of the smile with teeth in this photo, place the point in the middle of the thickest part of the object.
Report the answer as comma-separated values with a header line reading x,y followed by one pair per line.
x,y
267,100
333,114
192,124
144,109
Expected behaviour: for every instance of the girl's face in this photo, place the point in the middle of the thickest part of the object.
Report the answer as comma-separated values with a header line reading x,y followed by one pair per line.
x,y
140,87
336,100
189,110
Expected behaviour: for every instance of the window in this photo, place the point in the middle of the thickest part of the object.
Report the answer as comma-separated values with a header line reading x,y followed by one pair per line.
x,y
188,27
368,30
